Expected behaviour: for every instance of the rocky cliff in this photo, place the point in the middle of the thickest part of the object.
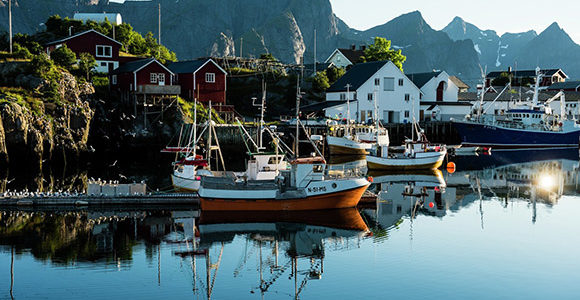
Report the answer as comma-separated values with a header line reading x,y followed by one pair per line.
x,y
34,129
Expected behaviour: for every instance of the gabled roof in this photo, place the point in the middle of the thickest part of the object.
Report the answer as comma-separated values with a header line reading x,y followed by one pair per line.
x,y
458,82
527,73
191,66
564,85
357,76
352,55
135,66
79,34
420,79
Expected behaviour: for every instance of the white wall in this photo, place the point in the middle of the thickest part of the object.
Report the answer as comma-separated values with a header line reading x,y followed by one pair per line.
x,y
339,60
386,100
430,88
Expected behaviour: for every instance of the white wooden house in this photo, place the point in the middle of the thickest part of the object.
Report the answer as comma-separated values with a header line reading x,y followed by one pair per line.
x,y
439,100
397,96
342,58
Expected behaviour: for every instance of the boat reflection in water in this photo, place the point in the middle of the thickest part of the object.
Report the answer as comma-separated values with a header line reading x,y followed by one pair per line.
x,y
289,244
407,194
545,176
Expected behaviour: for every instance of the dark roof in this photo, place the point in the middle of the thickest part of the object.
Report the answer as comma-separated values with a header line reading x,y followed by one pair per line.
x,y
356,76
525,73
352,55
79,34
458,82
316,107
420,79
132,66
506,96
564,85
188,66
446,103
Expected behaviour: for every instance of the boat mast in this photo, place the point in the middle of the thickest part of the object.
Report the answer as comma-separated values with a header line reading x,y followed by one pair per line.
x,y
536,86
194,126
376,113
296,138
348,109
208,154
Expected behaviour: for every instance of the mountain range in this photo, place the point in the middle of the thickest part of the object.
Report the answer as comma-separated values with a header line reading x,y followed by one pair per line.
x,y
286,28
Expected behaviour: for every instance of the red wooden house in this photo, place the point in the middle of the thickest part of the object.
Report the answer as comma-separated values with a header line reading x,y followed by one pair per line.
x,y
103,48
203,80
145,76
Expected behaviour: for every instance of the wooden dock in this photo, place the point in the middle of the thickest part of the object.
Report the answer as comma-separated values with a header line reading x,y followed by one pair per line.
x,y
84,200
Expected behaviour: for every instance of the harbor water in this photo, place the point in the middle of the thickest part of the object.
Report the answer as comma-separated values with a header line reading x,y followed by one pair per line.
x,y
498,226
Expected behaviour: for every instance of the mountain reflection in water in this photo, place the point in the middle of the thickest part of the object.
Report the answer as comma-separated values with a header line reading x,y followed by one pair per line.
x,y
160,253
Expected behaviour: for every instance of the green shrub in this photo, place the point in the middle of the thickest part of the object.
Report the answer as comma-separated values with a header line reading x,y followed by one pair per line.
x,y
64,57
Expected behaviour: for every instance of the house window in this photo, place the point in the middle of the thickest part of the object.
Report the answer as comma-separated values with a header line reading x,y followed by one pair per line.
x,y
401,82
210,77
377,81
407,114
104,51
420,96
114,79
389,83
161,77
363,115
153,78
103,64
407,97
370,96
342,96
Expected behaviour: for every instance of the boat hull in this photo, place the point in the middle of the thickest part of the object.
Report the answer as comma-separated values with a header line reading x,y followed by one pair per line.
x,y
480,135
344,146
392,164
341,199
181,184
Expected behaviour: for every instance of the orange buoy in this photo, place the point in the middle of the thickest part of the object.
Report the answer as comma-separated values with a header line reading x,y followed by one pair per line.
x,y
431,204
370,179
451,167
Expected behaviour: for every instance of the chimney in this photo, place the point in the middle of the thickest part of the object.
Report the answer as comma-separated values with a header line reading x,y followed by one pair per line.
x,y
363,47
353,47
509,70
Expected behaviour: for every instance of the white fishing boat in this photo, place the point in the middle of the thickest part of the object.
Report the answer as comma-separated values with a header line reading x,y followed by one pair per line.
x,y
306,186
418,154
350,139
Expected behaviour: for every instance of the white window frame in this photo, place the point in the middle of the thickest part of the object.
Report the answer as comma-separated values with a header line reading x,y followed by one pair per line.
x,y
370,96
342,96
104,52
377,81
159,76
401,81
389,80
407,97
114,79
210,77
153,78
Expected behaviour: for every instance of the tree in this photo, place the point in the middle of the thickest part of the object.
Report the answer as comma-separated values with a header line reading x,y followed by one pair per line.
x,y
64,56
268,56
502,80
320,81
86,63
334,73
381,50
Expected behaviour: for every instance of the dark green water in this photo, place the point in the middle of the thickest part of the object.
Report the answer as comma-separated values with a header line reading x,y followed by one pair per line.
x,y
502,226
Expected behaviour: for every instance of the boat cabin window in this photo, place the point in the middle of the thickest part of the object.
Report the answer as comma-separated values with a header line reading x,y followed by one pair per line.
x,y
274,160
317,168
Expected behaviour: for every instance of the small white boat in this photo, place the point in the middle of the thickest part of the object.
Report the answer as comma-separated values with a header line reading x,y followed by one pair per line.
x,y
417,156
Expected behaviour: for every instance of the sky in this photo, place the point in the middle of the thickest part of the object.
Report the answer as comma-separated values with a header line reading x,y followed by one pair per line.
x,y
499,15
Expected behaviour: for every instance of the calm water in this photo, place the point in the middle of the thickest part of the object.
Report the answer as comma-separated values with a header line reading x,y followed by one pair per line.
x,y
501,226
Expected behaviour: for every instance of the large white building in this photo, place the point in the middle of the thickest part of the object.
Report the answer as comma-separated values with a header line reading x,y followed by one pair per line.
x,y
396,95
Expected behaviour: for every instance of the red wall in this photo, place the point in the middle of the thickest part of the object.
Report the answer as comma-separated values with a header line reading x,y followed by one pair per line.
x,y
88,43
144,75
216,92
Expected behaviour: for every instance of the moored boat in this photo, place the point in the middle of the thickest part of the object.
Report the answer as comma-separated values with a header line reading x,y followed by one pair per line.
x,y
305,186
